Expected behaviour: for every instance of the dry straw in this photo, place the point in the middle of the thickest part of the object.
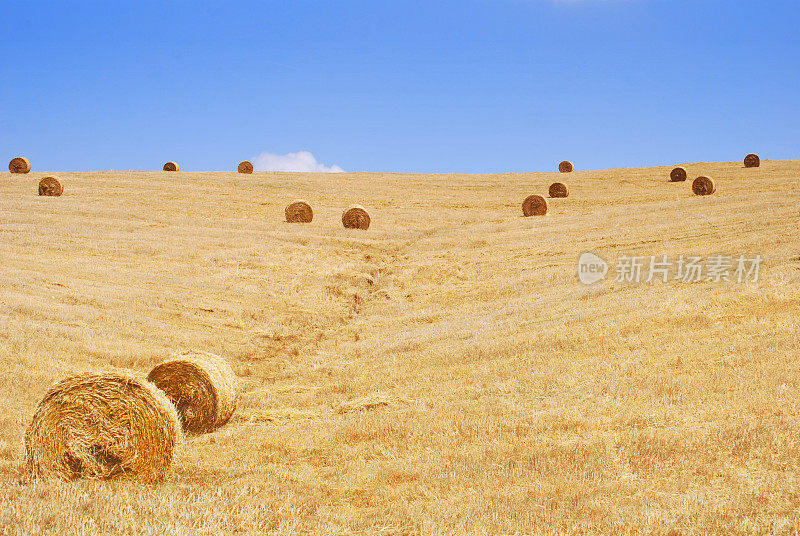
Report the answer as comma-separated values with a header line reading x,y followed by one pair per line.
x,y
50,186
356,217
19,165
565,167
752,160
374,401
171,166
704,186
299,212
558,189
203,388
102,426
534,205
245,167
678,174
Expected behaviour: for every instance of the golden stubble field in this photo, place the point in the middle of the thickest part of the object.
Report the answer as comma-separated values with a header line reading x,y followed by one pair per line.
x,y
444,372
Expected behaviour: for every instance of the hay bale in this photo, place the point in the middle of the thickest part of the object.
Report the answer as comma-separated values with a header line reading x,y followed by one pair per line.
x,y
534,205
356,217
202,386
565,167
245,167
50,186
107,426
299,212
558,189
678,174
704,186
19,165
752,160
170,166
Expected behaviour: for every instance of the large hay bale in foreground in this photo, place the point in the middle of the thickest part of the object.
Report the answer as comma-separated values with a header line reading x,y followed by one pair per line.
x,y
102,426
19,165
50,186
752,160
203,388
171,166
245,166
678,174
299,212
704,186
558,189
534,205
356,217
566,167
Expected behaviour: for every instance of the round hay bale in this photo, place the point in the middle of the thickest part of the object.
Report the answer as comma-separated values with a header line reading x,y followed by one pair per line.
x,y
50,186
19,165
565,167
558,189
299,212
752,160
704,186
171,166
245,167
678,175
203,388
107,426
534,205
356,217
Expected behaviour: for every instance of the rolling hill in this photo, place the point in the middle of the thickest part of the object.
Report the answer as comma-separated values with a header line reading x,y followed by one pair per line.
x,y
443,372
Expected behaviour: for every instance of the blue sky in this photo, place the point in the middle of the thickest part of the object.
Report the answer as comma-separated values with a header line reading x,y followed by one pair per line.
x,y
419,86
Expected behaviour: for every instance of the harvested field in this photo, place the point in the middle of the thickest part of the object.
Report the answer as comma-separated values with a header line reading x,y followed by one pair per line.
x,y
444,372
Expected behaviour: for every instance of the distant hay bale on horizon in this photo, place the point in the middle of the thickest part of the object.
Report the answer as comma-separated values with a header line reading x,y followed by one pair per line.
x,y
245,166
50,186
678,174
171,166
356,217
104,426
299,212
752,160
203,388
704,186
19,165
558,189
534,205
565,167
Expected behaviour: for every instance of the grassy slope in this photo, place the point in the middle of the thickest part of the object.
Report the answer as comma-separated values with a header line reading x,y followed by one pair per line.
x,y
443,372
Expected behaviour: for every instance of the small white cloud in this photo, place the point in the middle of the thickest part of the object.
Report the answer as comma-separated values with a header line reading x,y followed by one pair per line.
x,y
302,161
